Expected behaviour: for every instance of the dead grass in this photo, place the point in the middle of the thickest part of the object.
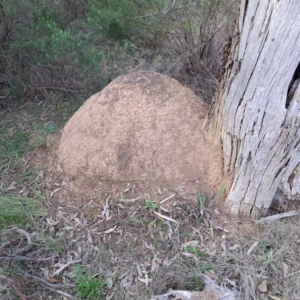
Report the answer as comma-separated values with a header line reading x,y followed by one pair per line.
x,y
280,241
180,275
141,255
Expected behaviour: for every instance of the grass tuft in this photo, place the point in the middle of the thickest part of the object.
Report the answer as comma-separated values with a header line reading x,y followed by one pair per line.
x,y
88,286
18,211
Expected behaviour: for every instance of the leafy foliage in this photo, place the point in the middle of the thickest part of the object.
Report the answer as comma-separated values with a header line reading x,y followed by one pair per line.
x,y
69,47
267,259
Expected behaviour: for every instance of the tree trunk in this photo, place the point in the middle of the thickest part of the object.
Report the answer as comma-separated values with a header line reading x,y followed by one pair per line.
x,y
256,108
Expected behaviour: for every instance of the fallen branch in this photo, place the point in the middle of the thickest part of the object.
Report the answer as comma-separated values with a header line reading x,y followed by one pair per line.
x,y
170,197
22,250
55,88
164,217
292,274
211,291
222,292
20,231
45,282
65,266
25,234
183,295
13,285
24,258
61,293
129,200
67,91
165,11
8,243
50,286
278,216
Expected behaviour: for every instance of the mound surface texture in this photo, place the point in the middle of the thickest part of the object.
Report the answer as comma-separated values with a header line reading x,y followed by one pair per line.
x,y
143,125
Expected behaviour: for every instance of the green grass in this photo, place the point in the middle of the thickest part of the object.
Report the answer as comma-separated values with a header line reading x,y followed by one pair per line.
x,y
193,282
12,149
191,249
17,211
150,205
88,286
63,111
22,131
48,241
206,204
267,259
205,266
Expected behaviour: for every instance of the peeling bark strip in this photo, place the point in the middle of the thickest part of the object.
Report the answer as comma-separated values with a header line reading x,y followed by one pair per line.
x,y
256,108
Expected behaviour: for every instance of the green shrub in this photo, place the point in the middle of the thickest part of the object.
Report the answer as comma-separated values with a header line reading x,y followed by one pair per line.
x,y
71,47
48,50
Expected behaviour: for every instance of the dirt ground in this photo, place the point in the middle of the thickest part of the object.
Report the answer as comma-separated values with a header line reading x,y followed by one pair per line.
x,y
86,192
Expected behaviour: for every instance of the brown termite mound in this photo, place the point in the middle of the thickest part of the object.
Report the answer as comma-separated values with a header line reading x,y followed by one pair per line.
x,y
142,126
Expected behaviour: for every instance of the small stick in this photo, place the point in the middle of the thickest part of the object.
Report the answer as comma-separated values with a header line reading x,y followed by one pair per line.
x,y
22,250
129,200
61,292
55,88
165,217
5,244
22,258
65,266
163,201
20,231
23,232
16,289
278,216
289,275
44,281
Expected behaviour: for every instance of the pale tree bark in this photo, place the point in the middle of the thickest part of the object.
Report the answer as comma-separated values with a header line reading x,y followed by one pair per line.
x,y
255,113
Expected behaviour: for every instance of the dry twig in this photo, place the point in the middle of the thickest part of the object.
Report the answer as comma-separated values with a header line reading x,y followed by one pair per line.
x,y
24,258
45,282
13,285
278,216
